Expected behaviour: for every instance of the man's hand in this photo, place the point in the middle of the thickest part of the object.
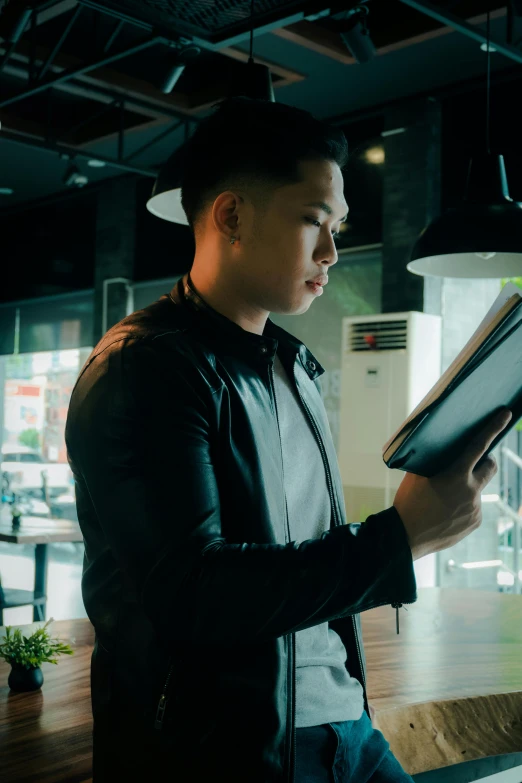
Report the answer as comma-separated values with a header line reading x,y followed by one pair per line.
x,y
439,512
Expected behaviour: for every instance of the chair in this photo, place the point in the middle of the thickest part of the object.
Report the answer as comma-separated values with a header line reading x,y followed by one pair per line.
x,y
10,598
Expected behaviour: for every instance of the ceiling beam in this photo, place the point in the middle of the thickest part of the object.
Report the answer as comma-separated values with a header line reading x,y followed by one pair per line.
x,y
72,152
10,121
89,86
132,88
437,32
105,84
55,10
318,39
237,32
64,75
151,120
327,42
462,26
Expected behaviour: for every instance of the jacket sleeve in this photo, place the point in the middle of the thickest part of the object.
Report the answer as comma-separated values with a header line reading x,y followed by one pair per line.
x,y
140,437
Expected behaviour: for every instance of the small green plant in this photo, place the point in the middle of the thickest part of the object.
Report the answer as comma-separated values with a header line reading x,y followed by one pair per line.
x,y
33,650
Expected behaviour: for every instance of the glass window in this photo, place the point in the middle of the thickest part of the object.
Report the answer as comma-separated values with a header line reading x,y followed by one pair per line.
x,y
34,398
486,559
51,323
35,392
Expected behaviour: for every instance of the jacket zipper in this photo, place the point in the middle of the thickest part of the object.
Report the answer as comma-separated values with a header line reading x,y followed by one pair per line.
x,y
162,704
292,719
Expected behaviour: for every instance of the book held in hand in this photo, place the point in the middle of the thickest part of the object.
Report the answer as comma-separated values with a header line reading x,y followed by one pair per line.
x,y
485,377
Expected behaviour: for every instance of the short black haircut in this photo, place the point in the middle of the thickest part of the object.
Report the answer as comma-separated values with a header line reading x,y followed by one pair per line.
x,y
250,143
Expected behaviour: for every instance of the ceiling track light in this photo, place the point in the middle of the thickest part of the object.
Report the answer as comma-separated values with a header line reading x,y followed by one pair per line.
x,y
165,199
73,177
354,33
176,66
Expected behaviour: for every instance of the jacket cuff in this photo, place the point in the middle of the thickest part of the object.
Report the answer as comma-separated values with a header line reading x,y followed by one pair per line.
x,y
380,560
391,540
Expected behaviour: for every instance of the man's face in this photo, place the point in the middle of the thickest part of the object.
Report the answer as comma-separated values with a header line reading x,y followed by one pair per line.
x,y
292,242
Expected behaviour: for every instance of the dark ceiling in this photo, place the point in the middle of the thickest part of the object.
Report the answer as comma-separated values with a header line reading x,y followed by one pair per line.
x,y
112,110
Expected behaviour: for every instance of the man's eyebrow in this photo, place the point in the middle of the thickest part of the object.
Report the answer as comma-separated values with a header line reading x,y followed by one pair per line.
x,y
325,208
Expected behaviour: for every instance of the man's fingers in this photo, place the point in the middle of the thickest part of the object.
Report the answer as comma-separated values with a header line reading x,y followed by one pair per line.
x,y
481,443
485,471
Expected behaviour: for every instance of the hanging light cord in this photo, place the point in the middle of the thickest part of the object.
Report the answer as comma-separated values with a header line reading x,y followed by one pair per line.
x,y
251,29
488,80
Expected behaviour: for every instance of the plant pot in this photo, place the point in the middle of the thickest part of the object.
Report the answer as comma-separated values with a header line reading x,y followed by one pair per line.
x,y
21,679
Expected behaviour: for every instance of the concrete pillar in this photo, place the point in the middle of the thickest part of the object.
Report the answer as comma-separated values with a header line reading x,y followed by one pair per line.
x,y
115,249
411,199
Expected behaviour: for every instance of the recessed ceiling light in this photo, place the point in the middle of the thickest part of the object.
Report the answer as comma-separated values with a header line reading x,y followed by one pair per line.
x,y
96,164
375,155
484,47
6,191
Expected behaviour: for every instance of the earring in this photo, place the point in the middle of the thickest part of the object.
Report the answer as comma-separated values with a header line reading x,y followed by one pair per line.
x,y
232,240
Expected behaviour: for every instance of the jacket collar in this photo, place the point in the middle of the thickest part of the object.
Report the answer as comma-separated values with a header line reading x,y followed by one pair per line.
x,y
217,327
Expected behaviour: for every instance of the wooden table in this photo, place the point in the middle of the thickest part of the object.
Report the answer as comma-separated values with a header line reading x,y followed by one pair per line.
x,y
447,689
40,531
45,736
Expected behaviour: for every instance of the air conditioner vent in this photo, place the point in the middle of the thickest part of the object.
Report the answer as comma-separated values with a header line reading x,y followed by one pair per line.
x,y
378,336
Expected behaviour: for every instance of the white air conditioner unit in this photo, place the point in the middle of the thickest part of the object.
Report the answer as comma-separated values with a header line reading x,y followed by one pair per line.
x,y
389,363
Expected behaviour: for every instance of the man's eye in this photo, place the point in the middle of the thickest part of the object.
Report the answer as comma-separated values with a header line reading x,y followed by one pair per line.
x,y
335,234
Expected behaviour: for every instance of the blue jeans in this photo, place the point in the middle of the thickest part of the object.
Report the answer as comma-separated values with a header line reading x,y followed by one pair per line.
x,y
348,752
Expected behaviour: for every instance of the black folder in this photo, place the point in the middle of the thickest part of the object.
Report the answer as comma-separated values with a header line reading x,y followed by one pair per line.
x,y
489,380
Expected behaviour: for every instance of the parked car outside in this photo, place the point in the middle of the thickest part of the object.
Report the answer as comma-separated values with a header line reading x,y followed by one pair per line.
x,y
24,466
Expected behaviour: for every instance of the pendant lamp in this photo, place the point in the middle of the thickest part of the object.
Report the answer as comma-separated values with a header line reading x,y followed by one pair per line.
x,y
165,200
482,237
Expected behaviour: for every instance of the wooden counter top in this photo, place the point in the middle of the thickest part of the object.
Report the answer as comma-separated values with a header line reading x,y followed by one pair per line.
x,y
447,689
45,736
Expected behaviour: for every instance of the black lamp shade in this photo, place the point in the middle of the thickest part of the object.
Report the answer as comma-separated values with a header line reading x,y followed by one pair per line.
x,y
257,82
482,238
165,200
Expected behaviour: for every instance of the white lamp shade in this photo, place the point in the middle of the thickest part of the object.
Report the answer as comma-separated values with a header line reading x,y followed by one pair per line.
x,y
470,265
167,205
165,201
482,237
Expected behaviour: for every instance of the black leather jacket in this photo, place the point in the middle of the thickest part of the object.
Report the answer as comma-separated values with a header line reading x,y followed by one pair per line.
x,y
172,436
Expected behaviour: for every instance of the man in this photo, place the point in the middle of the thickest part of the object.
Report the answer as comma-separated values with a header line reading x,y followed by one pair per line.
x,y
221,575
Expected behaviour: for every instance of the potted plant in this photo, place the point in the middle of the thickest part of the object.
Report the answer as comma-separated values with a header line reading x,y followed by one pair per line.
x,y
25,654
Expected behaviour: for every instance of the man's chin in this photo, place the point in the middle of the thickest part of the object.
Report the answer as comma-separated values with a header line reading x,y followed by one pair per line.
x,y
296,308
